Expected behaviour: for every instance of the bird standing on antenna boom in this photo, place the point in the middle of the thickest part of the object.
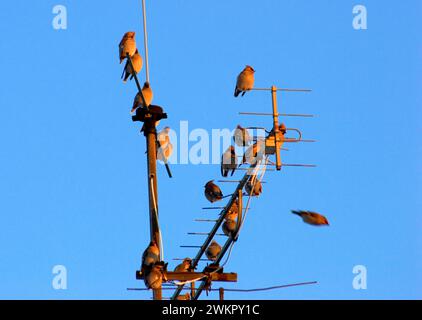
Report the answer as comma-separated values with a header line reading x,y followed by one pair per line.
x,y
245,81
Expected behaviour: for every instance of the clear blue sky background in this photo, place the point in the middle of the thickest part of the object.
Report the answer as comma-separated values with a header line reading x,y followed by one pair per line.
x,y
72,174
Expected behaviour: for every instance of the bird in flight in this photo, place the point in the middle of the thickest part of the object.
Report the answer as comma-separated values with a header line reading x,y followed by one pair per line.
x,y
312,218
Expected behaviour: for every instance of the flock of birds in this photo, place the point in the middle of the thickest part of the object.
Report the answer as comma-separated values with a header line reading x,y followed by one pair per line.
x,y
152,267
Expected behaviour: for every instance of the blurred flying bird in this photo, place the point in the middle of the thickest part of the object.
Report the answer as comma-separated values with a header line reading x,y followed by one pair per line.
x,y
127,45
151,255
253,187
241,136
228,162
213,251
137,65
213,192
254,153
147,93
184,266
312,218
245,81
229,226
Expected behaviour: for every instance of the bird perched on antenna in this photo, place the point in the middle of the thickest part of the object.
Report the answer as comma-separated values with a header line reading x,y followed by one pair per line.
x,y
163,137
213,251
185,266
151,255
213,192
253,187
137,66
154,277
185,296
127,45
312,218
228,162
229,227
254,153
245,81
241,136
233,212
165,148
147,93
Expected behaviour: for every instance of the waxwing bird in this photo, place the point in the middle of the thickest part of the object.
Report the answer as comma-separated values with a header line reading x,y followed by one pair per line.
x,y
151,254
213,251
241,136
184,266
163,137
253,187
213,192
185,296
245,81
254,153
137,66
229,227
163,154
154,277
282,128
228,162
233,212
147,93
312,218
127,45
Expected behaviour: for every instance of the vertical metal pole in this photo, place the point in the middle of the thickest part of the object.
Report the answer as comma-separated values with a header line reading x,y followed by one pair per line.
x,y
150,134
221,291
192,289
276,127
145,39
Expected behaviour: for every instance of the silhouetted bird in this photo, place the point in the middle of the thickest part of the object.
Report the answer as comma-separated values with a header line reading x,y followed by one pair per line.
x,y
245,81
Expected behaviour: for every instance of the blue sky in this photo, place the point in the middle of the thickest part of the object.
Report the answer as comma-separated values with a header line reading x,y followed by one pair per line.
x,y
72,174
